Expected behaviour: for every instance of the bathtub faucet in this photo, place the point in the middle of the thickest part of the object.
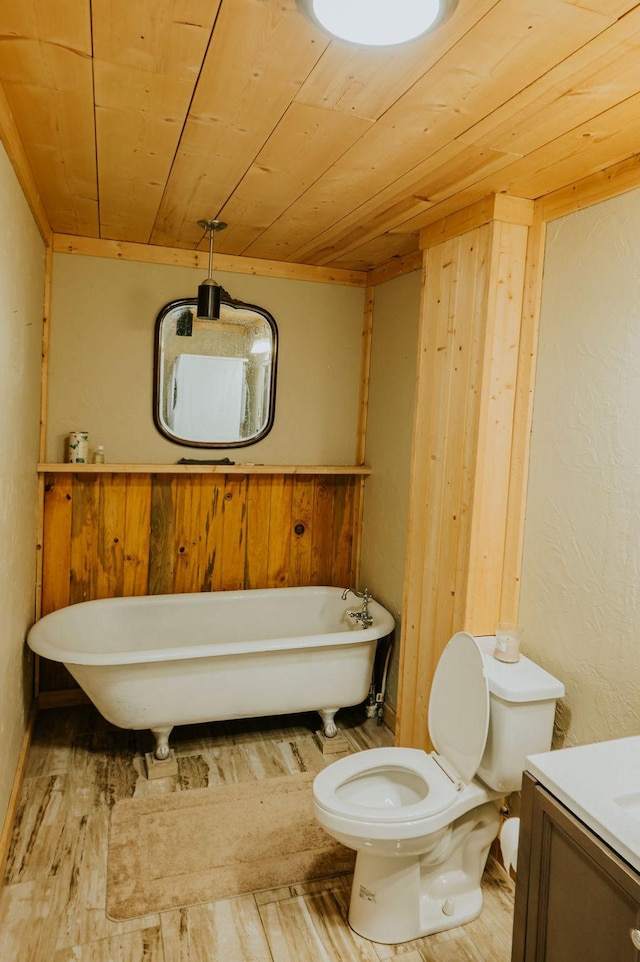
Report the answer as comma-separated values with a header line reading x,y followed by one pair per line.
x,y
362,617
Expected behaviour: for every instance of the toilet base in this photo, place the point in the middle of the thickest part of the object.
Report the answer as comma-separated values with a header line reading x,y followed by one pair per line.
x,y
398,899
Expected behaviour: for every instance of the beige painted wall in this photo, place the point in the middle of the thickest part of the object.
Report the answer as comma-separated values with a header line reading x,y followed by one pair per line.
x,y
101,361
22,291
388,451
581,575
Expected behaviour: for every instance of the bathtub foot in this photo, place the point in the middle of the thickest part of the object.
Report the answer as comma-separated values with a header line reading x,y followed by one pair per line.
x,y
161,736
328,724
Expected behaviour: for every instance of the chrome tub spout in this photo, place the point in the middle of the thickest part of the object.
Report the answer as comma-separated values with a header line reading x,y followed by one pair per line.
x,y
362,617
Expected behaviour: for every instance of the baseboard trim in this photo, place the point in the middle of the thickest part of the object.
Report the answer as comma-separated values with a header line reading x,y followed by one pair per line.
x,y
389,717
14,797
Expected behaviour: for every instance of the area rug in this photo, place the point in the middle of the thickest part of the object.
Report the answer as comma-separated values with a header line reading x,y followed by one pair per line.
x,y
196,846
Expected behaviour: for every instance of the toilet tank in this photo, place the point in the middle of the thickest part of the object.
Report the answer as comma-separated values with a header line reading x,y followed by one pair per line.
x,y
522,703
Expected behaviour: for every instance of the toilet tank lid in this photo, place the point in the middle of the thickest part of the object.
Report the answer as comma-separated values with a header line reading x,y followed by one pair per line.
x,y
519,681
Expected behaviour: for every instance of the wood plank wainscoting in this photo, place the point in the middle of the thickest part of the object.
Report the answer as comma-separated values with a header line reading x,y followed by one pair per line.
x,y
119,530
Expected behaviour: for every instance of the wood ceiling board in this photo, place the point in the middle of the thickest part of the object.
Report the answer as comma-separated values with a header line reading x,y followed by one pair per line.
x,y
318,210
258,59
449,170
56,124
18,158
489,106
378,251
610,8
509,49
453,171
367,81
437,109
355,237
164,38
388,208
610,138
139,119
422,180
48,86
147,62
66,23
305,143
595,78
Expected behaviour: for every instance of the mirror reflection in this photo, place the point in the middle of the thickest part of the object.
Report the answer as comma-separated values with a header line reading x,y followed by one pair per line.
x,y
215,380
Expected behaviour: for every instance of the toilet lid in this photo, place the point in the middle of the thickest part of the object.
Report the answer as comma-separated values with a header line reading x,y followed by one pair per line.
x,y
459,705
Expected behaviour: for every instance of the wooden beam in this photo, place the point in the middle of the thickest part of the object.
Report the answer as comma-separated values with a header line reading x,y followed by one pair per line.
x,y
44,381
396,267
365,368
496,432
46,326
363,410
497,207
603,185
408,682
522,418
178,257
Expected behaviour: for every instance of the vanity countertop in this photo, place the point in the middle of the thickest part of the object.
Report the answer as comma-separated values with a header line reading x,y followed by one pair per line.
x,y
600,784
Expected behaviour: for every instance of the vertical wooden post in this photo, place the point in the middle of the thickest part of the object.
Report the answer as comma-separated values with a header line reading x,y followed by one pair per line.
x,y
365,371
493,432
42,447
363,409
463,503
522,417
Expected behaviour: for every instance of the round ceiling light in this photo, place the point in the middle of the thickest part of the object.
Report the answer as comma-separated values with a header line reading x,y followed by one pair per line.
x,y
377,23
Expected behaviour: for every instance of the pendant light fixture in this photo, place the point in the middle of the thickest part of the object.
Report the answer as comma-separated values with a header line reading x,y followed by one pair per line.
x,y
377,23
209,291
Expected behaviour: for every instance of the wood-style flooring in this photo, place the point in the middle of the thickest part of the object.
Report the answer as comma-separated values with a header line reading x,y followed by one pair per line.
x,y
52,901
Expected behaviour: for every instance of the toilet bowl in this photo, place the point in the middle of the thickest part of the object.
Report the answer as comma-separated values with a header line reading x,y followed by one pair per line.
x,y
422,824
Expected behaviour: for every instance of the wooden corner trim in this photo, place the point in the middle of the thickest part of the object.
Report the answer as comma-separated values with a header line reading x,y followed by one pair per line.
x,y
496,207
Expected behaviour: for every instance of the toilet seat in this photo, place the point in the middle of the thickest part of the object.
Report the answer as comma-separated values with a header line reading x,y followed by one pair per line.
x,y
356,789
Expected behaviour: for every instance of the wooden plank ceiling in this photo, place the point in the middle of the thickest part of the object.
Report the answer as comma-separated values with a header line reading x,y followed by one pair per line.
x,y
140,117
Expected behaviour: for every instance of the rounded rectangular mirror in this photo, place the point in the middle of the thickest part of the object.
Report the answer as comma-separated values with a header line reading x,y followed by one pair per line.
x,y
215,380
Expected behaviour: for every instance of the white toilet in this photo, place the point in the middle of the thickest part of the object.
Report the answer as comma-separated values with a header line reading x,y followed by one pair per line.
x,y
422,824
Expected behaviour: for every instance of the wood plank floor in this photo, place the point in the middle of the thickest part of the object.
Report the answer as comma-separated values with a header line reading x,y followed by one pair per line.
x,y
52,901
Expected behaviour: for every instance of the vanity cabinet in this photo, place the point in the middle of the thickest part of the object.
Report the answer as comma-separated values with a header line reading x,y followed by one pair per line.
x,y
576,899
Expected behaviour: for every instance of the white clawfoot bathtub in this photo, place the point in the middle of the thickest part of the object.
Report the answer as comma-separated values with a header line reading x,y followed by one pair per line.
x,y
163,660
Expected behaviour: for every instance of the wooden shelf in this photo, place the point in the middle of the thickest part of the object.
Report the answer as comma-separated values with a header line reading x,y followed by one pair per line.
x,y
309,469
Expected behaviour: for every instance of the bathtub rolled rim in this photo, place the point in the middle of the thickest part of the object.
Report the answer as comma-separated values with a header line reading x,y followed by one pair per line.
x,y
70,656
353,635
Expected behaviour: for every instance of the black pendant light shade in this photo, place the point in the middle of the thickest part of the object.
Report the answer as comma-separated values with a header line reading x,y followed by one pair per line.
x,y
209,300
209,291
